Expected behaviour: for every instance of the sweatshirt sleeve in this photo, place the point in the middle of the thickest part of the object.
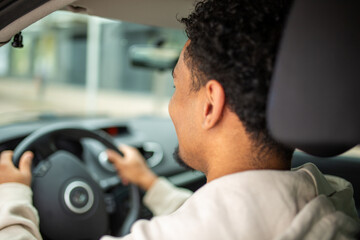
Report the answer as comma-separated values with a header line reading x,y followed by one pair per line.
x,y
164,198
18,217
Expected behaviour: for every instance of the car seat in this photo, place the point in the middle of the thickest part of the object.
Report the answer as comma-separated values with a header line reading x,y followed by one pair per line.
x,y
315,87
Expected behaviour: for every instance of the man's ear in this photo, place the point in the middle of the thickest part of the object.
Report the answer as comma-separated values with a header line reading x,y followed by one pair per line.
x,y
214,104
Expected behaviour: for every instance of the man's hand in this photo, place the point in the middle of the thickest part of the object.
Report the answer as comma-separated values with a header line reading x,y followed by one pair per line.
x,y
9,173
132,167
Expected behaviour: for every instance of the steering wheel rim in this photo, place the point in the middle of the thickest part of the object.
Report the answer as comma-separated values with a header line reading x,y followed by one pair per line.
x,y
77,133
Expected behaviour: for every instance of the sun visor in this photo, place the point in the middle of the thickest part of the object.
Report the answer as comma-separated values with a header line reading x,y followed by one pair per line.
x,y
315,95
161,13
15,15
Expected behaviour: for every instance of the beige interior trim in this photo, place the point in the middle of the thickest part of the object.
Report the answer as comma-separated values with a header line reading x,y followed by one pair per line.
x,y
18,25
162,13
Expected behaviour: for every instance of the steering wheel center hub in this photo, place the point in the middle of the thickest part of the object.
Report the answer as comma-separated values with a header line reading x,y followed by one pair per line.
x,y
78,197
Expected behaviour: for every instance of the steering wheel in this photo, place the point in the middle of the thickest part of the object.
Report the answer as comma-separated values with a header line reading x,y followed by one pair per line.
x,y
69,201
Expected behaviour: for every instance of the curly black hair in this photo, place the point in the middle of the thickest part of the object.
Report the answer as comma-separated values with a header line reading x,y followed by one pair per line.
x,y
235,42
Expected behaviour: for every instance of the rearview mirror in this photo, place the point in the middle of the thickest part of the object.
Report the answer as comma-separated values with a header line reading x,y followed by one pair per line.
x,y
154,57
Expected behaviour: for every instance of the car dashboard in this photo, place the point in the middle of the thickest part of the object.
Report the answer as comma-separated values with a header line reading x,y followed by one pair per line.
x,y
154,137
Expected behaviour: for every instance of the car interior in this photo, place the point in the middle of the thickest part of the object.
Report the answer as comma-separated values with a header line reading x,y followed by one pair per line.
x,y
311,107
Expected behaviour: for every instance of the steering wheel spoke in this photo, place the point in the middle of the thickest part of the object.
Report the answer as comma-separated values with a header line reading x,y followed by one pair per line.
x,y
44,148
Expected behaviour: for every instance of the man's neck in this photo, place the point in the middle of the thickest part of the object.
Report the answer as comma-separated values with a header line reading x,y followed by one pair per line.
x,y
229,149
238,155
244,163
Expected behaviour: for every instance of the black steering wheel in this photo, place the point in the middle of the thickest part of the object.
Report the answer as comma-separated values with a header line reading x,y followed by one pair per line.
x,y
69,201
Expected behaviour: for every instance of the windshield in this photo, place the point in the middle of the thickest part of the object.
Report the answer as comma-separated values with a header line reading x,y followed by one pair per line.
x,y
77,65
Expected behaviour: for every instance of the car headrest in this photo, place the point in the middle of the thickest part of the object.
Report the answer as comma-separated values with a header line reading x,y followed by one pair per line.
x,y
315,88
15,15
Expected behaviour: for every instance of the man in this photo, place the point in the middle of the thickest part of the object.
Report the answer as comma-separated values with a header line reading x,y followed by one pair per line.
x,y
218,109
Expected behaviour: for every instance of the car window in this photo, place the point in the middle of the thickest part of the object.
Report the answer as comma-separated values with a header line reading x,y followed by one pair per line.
x,y
78,65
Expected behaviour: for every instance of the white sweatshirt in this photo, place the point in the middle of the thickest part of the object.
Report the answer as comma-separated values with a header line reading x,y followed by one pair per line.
x,y
259,204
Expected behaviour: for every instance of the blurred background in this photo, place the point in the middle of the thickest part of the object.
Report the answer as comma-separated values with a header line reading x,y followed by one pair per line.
x,y
77,65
